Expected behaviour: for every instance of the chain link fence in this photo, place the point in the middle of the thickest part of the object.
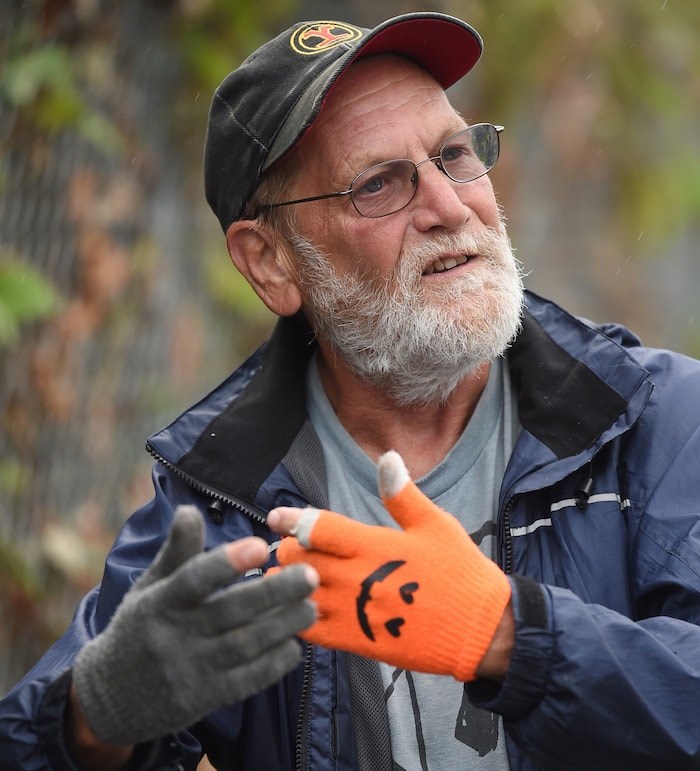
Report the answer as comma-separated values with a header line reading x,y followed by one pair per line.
x,y
101,226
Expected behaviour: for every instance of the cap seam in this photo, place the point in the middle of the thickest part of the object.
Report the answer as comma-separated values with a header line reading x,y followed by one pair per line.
x,y
232,114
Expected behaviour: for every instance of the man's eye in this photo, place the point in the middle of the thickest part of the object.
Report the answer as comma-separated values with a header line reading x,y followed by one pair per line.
x,y
372,185
455,153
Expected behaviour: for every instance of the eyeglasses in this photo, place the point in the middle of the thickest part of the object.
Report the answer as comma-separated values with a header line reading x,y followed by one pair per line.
x,y
388,187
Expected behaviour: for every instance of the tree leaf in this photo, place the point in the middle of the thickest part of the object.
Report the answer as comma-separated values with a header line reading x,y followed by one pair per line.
x,y
25,295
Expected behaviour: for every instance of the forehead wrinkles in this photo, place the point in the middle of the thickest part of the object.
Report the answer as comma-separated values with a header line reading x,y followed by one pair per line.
x,y
381,92
380,100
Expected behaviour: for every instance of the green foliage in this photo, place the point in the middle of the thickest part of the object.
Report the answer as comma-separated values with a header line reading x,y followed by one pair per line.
x,y
215,36
44,86
618,83
44,76
25,295
16,570
14,476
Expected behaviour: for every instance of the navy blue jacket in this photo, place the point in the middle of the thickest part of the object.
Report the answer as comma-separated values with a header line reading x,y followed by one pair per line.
x,y
599,529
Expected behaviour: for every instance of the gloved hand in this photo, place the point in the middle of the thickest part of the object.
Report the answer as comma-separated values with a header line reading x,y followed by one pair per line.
x,y
423,598
183,643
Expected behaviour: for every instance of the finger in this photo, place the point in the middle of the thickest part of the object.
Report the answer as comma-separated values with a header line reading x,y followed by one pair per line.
x,y
332,607
185,539
250,552
290,552
408,506
299,523
338,572
283,519
317,530
291,582
239,605
198,578
247,679
392,474
268,630
341,536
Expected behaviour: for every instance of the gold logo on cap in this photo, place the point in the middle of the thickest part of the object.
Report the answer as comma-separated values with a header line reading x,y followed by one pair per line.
x,y
316,37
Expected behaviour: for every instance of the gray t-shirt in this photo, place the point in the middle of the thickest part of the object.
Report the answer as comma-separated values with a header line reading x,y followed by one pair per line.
x,y
432,723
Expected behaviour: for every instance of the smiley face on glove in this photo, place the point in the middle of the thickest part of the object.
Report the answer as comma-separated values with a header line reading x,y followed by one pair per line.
x,y
405,591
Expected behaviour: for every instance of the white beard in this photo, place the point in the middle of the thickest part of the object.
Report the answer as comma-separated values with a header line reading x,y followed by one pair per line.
x,y
398,334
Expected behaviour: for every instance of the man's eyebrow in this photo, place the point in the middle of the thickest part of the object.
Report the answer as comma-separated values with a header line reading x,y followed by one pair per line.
x,y
459,124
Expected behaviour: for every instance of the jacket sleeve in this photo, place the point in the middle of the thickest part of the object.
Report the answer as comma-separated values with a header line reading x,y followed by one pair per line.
x,y
589,687
32,714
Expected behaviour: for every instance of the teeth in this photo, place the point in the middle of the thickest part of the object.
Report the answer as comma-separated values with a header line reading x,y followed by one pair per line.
x,y
446,264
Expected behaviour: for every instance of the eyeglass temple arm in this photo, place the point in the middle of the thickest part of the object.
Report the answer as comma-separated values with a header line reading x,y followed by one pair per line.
x,y
303,200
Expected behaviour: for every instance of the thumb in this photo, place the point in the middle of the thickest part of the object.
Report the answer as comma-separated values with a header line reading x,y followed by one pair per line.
x,y
403,500
185,539
392,475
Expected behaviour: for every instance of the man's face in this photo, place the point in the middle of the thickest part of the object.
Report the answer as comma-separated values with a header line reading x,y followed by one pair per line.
x,y
432,288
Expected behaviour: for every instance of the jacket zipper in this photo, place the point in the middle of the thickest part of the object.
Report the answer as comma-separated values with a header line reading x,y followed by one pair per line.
x,y
301,749
248,510
301,744
508,538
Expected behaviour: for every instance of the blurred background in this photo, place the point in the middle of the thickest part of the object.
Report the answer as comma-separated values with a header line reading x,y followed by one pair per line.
x,y
118,304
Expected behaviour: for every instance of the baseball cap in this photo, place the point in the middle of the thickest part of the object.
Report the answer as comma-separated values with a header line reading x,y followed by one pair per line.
x,y
263,108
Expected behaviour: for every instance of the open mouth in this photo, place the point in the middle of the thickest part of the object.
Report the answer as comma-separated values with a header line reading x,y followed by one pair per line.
x,y
447,263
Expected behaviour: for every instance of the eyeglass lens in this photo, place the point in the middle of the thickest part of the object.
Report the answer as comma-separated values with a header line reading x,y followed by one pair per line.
x,y
390,186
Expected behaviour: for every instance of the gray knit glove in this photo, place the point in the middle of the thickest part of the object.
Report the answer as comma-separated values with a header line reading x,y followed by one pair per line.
x,y
183,643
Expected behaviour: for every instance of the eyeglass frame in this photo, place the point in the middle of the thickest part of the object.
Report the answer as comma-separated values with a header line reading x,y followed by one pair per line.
x,y
437,159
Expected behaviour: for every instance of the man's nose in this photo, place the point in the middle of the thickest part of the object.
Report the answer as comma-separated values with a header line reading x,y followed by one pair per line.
x,y
439,202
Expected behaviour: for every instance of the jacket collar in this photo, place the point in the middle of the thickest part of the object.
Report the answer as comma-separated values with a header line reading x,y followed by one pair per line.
x,y
575,383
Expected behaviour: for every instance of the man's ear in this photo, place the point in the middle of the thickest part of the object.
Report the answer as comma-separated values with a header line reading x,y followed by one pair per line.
x,y
266,265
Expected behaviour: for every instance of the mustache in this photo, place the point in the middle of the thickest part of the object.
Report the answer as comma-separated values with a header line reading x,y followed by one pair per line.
x,y
486,243
491,244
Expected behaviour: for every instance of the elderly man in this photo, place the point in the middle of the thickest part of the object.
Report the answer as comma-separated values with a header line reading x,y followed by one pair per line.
x,y
563,633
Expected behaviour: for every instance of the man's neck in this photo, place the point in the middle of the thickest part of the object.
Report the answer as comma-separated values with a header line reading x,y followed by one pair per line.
x,y
423,435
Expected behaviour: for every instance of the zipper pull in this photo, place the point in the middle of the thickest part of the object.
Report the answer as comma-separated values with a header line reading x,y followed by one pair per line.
x,y
583,493
216,511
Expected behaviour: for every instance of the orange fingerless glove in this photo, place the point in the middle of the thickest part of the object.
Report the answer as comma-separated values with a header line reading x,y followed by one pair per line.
x,y
422,598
